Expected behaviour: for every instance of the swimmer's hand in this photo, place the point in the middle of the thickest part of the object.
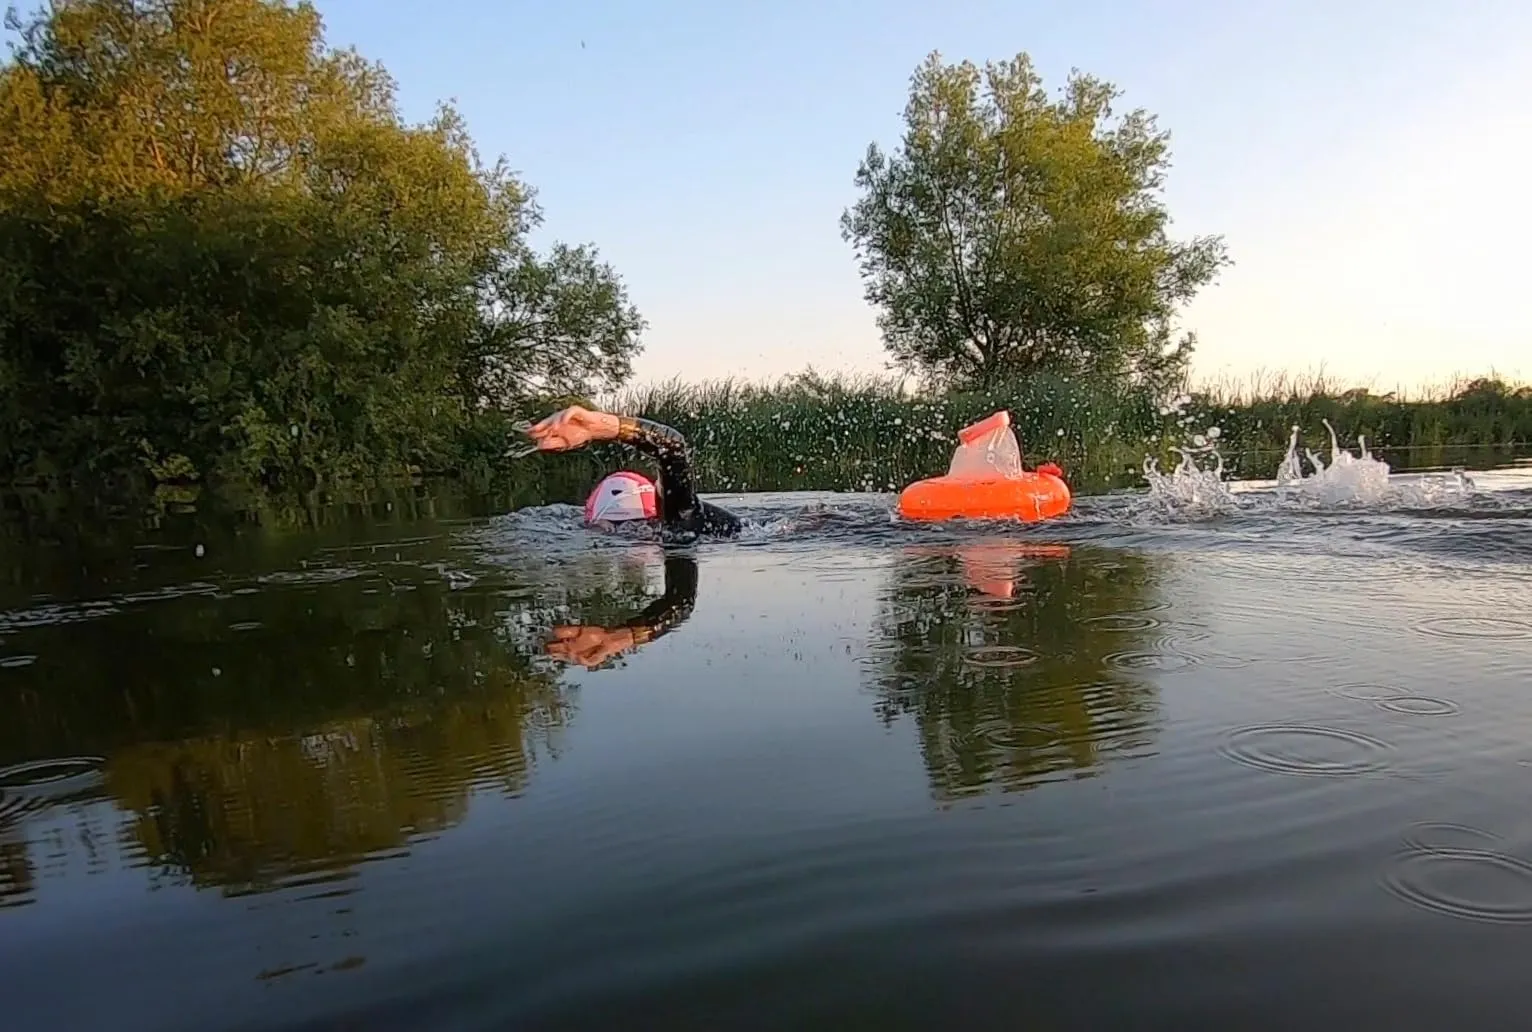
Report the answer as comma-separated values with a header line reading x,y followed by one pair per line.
x,y
573,427
589,646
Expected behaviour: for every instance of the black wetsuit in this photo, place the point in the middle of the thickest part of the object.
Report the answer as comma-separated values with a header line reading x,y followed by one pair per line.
x,y
681,511
671,608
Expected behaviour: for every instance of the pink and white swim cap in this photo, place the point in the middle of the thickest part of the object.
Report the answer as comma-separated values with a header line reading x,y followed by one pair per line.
x,y
624,495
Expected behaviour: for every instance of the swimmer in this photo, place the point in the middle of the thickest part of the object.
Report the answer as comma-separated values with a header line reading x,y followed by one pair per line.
x,y
627,496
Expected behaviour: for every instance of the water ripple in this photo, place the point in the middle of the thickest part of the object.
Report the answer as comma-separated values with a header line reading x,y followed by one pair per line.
x,y
1007,734
1000,656
1135,621
1469,883
39,773
1418,706
1367,692
1295,748
1167,659
1419,834
31,787
1489,628
1001,605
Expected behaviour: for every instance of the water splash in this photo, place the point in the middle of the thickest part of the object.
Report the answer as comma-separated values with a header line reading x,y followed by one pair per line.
x,y
1361,480
1188,489
1347,480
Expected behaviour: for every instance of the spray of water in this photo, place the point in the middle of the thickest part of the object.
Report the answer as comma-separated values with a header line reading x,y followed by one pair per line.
x,y
1346,481
1188,490
1365,480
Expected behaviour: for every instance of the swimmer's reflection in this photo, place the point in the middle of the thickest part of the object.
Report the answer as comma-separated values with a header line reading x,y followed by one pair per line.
x,y
592,646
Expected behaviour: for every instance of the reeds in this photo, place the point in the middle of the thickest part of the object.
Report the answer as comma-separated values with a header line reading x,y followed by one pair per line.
x,y
870,433
878,433
1258,413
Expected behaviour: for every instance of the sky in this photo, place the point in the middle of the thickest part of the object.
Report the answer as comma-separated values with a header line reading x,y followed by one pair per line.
x,y
1364,160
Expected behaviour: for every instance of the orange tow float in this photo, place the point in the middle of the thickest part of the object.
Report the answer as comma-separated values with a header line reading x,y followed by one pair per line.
x,y
986,481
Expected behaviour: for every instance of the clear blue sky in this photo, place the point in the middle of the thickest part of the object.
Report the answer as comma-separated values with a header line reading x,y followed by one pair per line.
x,y
1365,159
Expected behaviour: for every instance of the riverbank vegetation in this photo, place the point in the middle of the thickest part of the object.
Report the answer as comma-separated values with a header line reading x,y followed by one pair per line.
x,y
225,255
875,433
226,258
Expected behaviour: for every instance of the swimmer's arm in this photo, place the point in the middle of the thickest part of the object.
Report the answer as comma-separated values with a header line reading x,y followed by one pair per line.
x,y
668,448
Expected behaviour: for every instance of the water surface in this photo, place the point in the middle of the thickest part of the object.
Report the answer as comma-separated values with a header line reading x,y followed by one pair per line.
x,y
1172,762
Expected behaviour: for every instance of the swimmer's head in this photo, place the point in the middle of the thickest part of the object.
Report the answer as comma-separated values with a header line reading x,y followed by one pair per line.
x,y
622,497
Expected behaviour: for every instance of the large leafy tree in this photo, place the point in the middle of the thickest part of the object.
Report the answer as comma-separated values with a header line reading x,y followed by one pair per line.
x,y
223,250
1013,232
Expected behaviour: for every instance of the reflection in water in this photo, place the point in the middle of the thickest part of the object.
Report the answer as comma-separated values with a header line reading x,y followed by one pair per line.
x,y
254,740
1003,652
593,646
291,721
31,788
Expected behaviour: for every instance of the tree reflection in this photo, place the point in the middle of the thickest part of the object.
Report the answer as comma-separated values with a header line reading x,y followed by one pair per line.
x,y
285,731
1013,661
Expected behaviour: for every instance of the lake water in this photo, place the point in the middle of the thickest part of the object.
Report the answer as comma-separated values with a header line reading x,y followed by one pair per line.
x,y
1189,758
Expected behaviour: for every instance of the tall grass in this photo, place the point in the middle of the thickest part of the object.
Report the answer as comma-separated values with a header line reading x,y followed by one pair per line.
x,y
857,433
1258,413
870,433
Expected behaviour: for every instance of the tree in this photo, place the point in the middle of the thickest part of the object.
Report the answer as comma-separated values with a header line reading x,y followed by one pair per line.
x,y
223,251
556,326
1013,234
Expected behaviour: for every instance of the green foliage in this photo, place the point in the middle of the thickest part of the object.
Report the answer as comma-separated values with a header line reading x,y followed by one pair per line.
x,y
810,432
831,433
1012,234
1484,412
223,254
560,325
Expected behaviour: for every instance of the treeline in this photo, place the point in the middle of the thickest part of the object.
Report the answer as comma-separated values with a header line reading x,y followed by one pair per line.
x,y
223,254
225,257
